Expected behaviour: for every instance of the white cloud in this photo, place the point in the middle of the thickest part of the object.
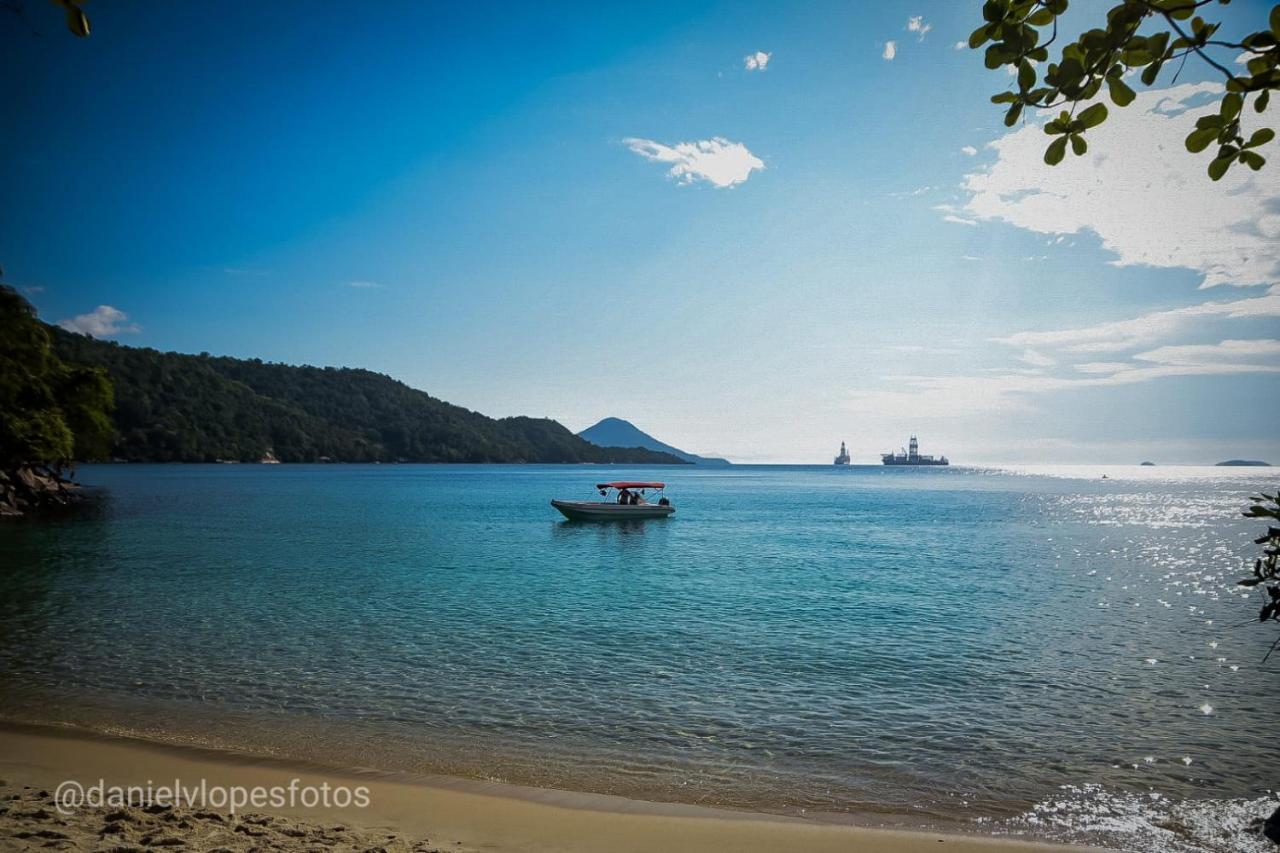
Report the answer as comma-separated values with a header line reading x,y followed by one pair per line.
x,y
951,217
969,150
960,45
364,285
1147,329
1232,351
717,161
890,51
924,397
102,322
916,24
1146,197
1103,366
758,61
915,192
1036,359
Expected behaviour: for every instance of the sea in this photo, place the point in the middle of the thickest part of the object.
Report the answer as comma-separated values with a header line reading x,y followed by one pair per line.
x,y
1031,652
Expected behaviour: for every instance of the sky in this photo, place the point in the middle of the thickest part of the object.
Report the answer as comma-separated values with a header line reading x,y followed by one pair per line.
x,y
754,229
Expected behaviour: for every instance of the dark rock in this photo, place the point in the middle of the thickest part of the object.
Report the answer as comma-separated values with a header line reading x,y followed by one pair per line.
x,y
38,814
163,841
1271,829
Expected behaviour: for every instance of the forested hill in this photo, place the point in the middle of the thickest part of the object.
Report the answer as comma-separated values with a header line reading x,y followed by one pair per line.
x,y
199,408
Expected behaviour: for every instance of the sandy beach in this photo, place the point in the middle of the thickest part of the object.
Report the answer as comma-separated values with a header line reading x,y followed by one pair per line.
x,y
443,815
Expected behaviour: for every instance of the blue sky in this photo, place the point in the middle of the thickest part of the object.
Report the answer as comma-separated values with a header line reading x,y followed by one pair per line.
x,y
506,206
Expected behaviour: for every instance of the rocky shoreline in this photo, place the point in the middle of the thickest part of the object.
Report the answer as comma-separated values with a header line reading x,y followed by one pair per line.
x,y
36,488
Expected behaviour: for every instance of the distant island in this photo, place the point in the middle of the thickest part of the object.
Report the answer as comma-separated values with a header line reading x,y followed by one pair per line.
x,y
1148,464
615,432
172,407
1245,463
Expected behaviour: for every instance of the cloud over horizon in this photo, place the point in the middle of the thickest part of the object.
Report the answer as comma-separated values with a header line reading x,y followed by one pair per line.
x,y
758,61
717,161
919,397
1146,329
104,321
890,51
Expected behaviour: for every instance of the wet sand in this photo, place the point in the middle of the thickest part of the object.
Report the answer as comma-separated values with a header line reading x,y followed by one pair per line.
x,y
443,815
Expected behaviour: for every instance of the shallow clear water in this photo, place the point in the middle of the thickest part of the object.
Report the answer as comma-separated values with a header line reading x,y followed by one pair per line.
x,y
923,643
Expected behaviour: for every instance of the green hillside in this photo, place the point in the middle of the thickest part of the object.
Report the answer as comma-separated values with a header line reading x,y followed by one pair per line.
x,y
199,408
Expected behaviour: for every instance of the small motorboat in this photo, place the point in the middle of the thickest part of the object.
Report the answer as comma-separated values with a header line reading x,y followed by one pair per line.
x,y
628,500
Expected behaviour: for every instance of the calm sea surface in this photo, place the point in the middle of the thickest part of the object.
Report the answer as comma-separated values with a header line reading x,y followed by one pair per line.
x,y
929,645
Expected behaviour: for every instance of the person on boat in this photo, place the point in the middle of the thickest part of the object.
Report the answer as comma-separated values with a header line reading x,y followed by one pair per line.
x,y
636,500
624,497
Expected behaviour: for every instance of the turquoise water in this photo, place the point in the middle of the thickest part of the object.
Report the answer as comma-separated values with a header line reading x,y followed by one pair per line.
x,y
918,644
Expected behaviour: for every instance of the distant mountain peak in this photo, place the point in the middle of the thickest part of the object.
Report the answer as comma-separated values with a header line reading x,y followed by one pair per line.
x,y
617,432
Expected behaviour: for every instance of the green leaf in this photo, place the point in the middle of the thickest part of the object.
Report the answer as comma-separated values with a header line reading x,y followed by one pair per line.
x,y
979,37
1078,145
1041,18
1275,20
1026,76
1260,137
1260,102
1253,160
1056,151
1121,94
1198,140
1094,115
1012,116
1231,104
77,22
1218,167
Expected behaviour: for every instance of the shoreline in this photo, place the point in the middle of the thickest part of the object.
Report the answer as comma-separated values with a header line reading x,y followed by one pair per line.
x,y
459,814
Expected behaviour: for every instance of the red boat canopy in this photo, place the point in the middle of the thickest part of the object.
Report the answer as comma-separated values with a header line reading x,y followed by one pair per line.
x,y
627,484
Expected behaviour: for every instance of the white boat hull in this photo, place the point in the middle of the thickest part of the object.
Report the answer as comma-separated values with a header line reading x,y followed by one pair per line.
x,y
599,511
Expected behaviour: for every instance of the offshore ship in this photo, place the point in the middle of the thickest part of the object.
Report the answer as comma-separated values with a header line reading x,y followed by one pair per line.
x,y
843,458
911,456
